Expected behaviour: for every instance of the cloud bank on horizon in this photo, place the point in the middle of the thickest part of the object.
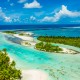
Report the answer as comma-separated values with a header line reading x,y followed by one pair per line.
x,y
39,12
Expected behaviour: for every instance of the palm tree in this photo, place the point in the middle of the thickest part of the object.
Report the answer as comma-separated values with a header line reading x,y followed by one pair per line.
x,y
5,51
13,64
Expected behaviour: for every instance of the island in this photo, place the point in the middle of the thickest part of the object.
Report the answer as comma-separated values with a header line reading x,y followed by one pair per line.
x,y
10,32
44,43
21,37
73,41
48,47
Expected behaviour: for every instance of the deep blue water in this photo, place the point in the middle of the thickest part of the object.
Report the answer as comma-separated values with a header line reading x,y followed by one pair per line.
x,y
50,30
35,27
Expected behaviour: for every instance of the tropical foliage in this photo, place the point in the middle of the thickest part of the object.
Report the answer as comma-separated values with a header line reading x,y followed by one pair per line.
x,y
7,68
73,41
47,47
10,32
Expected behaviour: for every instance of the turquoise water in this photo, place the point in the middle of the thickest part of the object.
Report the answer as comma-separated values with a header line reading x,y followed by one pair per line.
x,y
58,66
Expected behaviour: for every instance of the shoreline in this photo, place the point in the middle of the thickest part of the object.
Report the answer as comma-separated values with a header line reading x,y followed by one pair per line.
x,y
29,41
30,74
34,74
69,51
65,51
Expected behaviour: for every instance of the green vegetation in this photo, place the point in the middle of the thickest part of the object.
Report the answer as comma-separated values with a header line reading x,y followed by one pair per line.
x,y
7,68
27,43
24,34
10,32
73,41
21,34
47,47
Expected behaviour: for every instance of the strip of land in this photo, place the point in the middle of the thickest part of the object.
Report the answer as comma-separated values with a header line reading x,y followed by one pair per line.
x,y
73,41
44,43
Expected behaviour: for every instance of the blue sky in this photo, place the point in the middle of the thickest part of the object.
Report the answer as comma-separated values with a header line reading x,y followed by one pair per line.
x,y
39,12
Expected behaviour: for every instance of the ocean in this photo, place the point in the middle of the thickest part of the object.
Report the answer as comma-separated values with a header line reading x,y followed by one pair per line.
x,y
50,30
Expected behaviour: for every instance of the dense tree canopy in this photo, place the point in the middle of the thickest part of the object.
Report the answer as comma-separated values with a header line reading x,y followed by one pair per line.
x,y
7,68
73,41
47,47
10,32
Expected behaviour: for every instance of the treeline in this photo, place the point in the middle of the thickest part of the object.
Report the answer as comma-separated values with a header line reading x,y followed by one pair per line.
x,y
7,68
73,41
47,47
10,32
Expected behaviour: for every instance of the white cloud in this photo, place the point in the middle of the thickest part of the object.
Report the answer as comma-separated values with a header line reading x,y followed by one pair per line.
x,y
4,17
11,18
16,20
34,4
15,17
11,4
48,19
1,13
22,1
8,19
63,12
32,18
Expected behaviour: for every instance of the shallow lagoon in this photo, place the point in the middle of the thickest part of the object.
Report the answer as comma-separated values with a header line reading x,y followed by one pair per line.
x,y
59,66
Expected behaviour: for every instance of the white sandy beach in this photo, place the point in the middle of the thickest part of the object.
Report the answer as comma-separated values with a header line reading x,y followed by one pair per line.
x,y
34,74
28,38
68,51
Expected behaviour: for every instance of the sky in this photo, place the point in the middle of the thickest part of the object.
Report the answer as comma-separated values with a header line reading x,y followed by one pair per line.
x,y
39,11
